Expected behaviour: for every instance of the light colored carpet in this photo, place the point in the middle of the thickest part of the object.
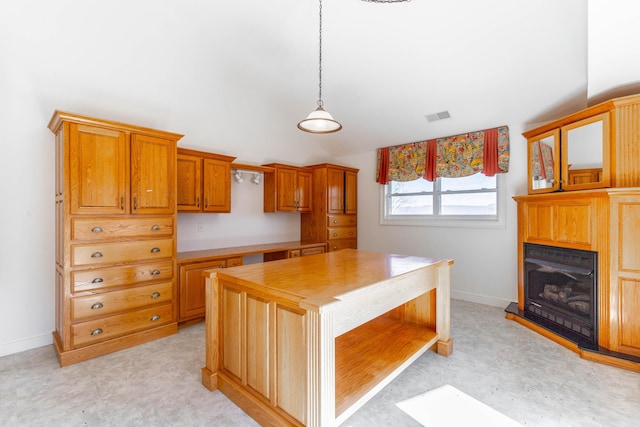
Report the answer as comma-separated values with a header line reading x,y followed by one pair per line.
x,y
447,406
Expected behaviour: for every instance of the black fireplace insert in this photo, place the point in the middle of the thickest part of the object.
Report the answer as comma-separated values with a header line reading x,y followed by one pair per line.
x,y
561,291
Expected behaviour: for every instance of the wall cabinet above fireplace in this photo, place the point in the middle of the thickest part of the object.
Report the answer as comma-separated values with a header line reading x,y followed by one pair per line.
x,y
593,148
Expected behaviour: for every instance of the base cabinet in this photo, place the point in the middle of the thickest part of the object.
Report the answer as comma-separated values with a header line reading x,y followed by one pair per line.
x,y
115,235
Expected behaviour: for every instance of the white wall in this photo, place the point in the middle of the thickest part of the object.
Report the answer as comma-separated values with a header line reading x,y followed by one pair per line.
x,y
614,62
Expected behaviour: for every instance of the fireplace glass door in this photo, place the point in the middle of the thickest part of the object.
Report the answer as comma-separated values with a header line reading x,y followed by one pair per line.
x,y
560,287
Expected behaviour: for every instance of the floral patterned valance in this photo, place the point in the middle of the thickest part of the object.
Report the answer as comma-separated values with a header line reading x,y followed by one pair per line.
x,y
485,151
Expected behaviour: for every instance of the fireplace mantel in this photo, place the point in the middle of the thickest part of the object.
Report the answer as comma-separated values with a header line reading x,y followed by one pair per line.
x,y
606,221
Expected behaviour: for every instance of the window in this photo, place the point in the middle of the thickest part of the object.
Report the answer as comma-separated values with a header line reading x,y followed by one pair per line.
x,y
446,201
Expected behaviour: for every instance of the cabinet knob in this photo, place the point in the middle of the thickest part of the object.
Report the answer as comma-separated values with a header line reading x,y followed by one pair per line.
x,y
155,250
97,280
155,317
155,228
155,295
335,234
97,306
96,255
351,233
335,221
97,331
97,229
351,221
155,272
335,248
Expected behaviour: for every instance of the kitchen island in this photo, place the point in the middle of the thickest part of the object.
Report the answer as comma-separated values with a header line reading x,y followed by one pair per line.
x,y
307,341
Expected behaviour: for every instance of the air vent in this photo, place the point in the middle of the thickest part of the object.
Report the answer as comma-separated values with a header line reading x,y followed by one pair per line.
x,y
438,116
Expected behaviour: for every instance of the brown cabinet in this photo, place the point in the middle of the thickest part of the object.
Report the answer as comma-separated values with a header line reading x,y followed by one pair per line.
x,y
593,148
287,189
334,219
204,182
192,285
115,235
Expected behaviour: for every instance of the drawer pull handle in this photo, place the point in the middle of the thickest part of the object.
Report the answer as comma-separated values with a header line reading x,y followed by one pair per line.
x,y
335,248
97,331
351,233
97,306
96,255
135,203
155,250
155,272
335,221
335,234
351,221
155,295
155,317
97,229
97,280
121,203
350,245
155,228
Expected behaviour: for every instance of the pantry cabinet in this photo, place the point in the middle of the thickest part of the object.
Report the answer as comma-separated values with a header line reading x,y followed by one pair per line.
x,y
334,219
204,181
115,235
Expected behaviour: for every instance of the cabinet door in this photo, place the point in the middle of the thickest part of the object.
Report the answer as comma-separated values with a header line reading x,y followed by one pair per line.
x,y
153,179
192,288
335,191
189,191
350,192
217,186
303,202
98,167
286,188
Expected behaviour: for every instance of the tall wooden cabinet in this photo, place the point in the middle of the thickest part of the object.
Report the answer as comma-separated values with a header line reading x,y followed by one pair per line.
x,y
204,181
334,218
115,209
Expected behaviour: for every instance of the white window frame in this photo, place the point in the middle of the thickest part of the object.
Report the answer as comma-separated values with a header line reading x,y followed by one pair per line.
x,y
457,221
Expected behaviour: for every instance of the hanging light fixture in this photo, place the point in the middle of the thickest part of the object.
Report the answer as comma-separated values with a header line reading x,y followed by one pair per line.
x,y
319,120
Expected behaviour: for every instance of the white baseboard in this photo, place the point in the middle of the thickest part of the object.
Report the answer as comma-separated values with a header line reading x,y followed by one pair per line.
x,y
480,299
25,344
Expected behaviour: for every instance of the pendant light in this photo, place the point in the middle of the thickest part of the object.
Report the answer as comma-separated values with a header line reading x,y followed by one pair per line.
x,y
319,120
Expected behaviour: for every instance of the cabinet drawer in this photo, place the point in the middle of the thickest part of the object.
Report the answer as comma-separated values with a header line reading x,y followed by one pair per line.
x,y
312,251
341,220
107,228
341,233
336,245
116,276
126,299
109,253
105,328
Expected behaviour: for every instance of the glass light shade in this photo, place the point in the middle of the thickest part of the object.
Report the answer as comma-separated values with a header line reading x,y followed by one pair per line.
x,y
319,121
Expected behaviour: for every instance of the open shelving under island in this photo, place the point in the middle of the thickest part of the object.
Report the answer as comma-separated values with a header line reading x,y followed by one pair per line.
x,y
307,341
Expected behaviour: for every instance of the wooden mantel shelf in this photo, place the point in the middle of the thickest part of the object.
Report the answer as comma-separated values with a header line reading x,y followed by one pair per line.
x,y
305,341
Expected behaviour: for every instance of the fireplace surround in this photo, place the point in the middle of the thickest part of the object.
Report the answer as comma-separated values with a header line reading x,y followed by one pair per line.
x,y
561,291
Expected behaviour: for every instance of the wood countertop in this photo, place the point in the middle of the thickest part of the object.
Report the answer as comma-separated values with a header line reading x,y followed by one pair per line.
x,y
206,254
320,280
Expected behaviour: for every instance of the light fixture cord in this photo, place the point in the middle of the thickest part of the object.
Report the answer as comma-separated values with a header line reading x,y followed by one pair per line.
x,y
320,59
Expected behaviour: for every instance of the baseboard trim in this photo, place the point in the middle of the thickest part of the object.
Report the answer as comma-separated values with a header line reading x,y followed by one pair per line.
x,y
25,344
480,299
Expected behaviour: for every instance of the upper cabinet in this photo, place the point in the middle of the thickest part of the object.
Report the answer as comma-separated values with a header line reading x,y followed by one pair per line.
x,y
118,171
593,148
287,189
204,182
342,185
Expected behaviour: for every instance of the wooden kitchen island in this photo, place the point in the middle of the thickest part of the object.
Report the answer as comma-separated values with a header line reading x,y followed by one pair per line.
x,y
307,341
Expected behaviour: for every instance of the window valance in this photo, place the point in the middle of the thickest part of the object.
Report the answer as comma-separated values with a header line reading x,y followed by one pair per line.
x,y
485,151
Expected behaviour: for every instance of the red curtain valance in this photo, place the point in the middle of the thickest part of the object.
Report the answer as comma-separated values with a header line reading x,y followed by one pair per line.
x,y
485,151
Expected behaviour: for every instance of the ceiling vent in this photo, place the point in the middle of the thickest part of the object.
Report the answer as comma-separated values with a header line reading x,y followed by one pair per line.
x,y
438,116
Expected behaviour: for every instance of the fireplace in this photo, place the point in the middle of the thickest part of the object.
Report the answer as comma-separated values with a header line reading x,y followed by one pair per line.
x,y
561,291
